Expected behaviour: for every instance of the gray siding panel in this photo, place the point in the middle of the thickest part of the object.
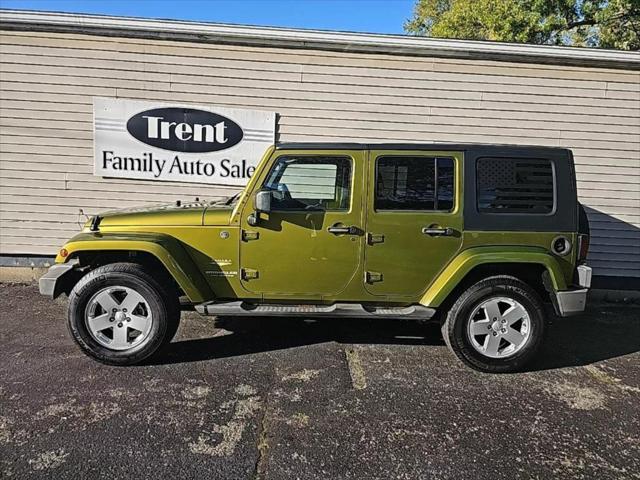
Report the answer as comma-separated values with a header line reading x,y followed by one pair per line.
x,y
320,96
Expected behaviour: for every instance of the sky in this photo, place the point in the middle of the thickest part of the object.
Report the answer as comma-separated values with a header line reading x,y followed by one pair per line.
x,y
372,16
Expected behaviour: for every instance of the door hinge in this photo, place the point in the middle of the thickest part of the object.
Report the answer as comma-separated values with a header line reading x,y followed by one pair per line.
x,y
249,274
373,277
375,238
249,235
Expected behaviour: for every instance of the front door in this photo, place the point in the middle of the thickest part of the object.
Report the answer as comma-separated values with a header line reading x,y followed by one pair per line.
x,y
310,244
414,221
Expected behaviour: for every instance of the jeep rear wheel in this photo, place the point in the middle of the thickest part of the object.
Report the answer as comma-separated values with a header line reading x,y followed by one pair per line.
x,y
497,325
121,315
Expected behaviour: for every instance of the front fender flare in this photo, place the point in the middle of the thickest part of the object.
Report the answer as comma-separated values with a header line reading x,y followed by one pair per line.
x,y
468,259
167,249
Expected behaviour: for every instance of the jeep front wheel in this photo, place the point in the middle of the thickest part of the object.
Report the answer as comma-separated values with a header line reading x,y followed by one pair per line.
x,y
497,325
121,315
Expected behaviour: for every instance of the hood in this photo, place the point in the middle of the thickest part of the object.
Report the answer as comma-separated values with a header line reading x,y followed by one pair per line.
x,y
173,214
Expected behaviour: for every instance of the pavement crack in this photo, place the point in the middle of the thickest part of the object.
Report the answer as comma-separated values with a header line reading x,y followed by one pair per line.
x,y
608,379
356,372
262,444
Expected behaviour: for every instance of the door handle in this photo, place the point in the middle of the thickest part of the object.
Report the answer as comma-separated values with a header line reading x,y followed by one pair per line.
x,y
438,231
343,230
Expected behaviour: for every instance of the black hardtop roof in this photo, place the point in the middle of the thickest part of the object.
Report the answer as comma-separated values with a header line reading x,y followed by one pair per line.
x,y
485,147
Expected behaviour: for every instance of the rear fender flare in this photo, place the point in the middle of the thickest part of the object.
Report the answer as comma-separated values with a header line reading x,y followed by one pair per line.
x,y
468,259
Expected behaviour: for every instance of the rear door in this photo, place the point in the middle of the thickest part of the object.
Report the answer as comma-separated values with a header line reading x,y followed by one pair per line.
x,y
414,220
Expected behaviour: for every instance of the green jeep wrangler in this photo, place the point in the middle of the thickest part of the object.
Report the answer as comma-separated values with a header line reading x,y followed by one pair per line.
x,y
474,236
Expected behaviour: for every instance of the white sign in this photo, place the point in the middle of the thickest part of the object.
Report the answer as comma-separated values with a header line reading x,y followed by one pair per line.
x,y
180,143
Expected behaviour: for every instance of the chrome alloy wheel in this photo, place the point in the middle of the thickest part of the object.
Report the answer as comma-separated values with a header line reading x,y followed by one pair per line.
x,y
499,327
118,318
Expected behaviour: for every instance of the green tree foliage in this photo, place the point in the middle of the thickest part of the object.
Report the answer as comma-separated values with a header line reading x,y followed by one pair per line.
x,y
591,23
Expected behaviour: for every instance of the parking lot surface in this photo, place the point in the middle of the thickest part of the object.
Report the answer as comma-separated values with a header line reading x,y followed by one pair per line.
x,y
332,399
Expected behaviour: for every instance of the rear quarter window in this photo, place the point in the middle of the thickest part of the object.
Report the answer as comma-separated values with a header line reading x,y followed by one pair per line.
x,y
515,185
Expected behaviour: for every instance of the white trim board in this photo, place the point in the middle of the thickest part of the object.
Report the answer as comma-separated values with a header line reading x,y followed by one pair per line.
x,y
314,39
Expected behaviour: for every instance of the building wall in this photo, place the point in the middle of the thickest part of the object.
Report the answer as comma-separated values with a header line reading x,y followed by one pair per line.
x,y
48,81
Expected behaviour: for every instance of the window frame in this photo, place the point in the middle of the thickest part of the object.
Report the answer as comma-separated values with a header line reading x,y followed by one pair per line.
x,y
409,155
554,205
314,155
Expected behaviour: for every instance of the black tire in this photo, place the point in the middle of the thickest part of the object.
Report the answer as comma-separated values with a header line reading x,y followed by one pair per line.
x,y
454,328
162,299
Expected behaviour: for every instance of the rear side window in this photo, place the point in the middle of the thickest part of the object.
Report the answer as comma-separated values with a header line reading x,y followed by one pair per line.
x,y
414,183
513,185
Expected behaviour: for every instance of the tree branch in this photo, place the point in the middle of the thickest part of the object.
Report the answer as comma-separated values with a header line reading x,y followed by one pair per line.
x,y
580,23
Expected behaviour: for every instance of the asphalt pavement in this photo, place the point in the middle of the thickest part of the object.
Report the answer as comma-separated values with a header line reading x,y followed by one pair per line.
x,y
330,399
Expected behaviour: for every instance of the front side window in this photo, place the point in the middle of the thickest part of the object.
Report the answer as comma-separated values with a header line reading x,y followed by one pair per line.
x,y
310,183
414,183
515,185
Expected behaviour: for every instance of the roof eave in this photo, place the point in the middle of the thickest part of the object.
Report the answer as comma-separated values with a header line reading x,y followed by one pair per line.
x,y
314,39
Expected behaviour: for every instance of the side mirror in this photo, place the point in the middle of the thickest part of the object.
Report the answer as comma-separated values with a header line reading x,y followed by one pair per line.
x,y
263,201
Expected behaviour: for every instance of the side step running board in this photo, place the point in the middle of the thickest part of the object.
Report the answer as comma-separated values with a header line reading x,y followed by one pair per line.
x,y
357,310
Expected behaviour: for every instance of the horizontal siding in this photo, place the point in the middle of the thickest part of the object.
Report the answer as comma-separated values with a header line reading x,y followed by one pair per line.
x,y
289,58
320,96
618,134
281,99
359,85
